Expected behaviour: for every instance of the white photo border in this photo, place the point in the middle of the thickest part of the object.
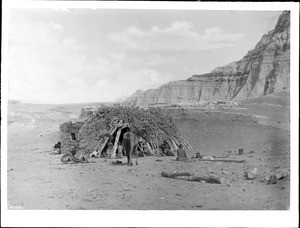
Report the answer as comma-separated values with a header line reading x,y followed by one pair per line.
x,y
156,218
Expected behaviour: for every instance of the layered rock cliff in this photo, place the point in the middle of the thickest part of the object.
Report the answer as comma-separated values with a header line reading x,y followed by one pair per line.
x,y
263,70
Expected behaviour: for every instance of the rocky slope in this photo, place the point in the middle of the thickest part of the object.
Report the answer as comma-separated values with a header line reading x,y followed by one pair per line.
x,y
263,70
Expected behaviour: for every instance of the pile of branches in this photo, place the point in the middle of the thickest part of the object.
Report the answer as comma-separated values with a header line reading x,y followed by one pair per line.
x,y
91,133
153,124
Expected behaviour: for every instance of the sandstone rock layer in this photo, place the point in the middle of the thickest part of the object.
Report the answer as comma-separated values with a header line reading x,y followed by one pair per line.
x,y
263,70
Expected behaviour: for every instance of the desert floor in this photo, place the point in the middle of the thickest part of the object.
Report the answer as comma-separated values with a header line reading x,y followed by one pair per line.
x,y
38,180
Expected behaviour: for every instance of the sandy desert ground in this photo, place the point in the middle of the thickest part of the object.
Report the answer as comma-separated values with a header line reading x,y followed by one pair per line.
x,y
38,180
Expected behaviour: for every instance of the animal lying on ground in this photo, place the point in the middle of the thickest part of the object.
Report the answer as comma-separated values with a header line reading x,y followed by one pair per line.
x,y
130,140
69,155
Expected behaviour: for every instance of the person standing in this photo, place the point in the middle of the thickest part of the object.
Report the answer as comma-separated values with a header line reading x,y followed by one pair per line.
x,y
110,149
120,150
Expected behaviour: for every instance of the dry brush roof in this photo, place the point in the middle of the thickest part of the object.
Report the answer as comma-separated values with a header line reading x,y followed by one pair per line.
x,y
154,124
71,126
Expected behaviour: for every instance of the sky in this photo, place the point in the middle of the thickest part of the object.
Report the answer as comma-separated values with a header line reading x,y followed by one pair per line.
x,y
103,55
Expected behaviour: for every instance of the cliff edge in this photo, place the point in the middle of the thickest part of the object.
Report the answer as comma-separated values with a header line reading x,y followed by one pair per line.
x,y
263,70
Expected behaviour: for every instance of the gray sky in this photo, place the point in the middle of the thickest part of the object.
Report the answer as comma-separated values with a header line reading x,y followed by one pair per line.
x,y
82,55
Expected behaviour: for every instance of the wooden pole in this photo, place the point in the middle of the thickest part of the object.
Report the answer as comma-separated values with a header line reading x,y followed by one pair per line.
x,y
191,177
116,143
106,138
101,139
187,144
103,145
174,145
171,145
111,132
207,179
175,174
183,144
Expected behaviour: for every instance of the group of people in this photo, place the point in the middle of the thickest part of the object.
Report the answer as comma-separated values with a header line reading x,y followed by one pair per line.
x,y
142,149
110,149
166,151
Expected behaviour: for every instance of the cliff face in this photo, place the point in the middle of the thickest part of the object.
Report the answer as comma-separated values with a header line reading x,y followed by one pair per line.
x,y
263,70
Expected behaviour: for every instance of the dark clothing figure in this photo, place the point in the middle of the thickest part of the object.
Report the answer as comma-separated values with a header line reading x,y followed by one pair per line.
x,y
169,153
140,153
57,145
166,148
57,148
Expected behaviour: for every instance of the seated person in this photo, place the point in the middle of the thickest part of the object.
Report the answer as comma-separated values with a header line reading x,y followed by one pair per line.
x,y
181,153
69,155
159,152
166,148
57,148
57,145
169,153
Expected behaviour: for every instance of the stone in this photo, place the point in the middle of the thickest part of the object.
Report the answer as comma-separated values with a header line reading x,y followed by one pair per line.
x,y
251,174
